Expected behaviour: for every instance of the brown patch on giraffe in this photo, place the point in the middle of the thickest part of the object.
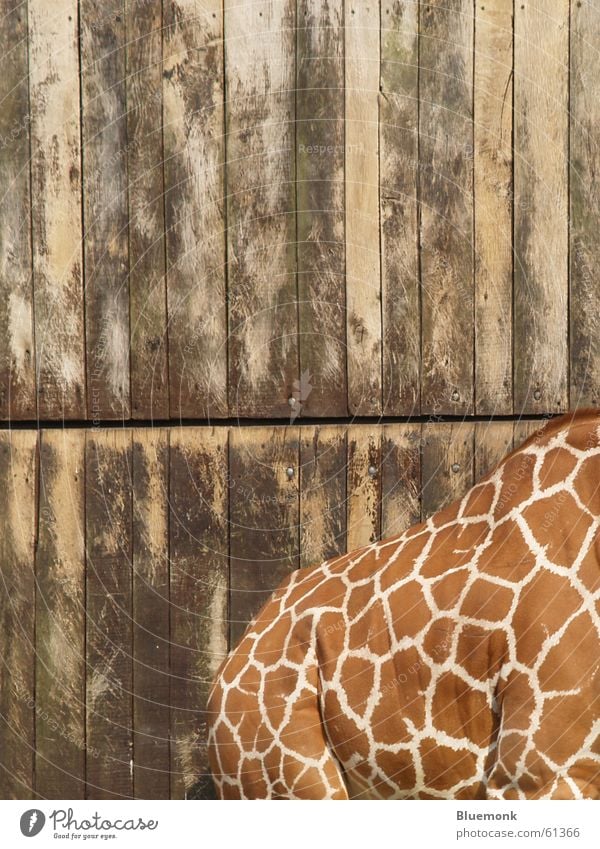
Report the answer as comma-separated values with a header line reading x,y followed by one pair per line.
x,y
269,645
231,791
253,777
438,639
280,683
587,483
585,773
229,751
404,563
273,760
589,568
331,633
488,601
398,767
304,586
237,661
446,591
507,556
584,435
356,679
559,526
310,783
480,500
517,483
370,630
480,652
461,711
572,662
557,465
476,790
444,767
453,547
564,726
330,594
250,680
360,598
348,739
518,700
413,611
364,569
446,515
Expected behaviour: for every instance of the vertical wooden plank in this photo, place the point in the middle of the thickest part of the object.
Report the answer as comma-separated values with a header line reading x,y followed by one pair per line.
x,y
60,617
17,380
493,441
322,493
104,133
363,272
398,139
447,467
194,205
493,205
199,571
584,159
364,485
56,209
261,226
17,605
401,478
524,428
320,209
264,514
148,318
151,715
446,193
109,719
540,222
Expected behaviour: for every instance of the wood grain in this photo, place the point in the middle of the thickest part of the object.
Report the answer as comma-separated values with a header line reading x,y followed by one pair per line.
x,y
194,182
541,208
56,209
401,478
447,469
364,486
493,441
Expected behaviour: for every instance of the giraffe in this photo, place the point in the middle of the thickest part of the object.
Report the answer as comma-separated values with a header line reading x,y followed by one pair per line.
x,y
457,660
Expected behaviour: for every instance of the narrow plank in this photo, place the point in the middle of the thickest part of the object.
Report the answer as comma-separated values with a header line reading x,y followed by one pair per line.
x,y
322,493
447,468
364,485
584,159
264,517
446,194
147,285
320,209
493,192
398,178
401,478
261,226
17,379
106,257
194,206
151,681
540,222
56,209
60,617
493,441
109,720
17,605
199,571
524,428
363,273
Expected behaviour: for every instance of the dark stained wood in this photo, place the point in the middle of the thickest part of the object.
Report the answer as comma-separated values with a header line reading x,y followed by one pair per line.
x,y
17,605
194,204
446,194
60,617
104,135
17,380
398,176
109,720
151,674
401,478
322,388
147,285
199,571
364,485
447,467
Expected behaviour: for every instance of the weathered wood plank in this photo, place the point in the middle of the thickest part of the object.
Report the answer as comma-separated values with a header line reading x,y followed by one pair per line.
x,y
56,209
584,159
398,139
194,182
109,720
446,195
447,468
60,617
106,257
363,273
17,379
524,428
17,604
401,478
261,226
493,194
541,209
493,441
264,517
322,390
322,493
147,284
151,681
199,571
364,485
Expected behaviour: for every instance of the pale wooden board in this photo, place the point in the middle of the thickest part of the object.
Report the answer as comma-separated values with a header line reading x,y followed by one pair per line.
x,y
56,209
363,489
398,179
17,379
17,605
363,273
193,91
320,208
493,205
401,478
198,497
447,468
261,226
147,285
446,195
541,118
493,441
60,617
105,212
